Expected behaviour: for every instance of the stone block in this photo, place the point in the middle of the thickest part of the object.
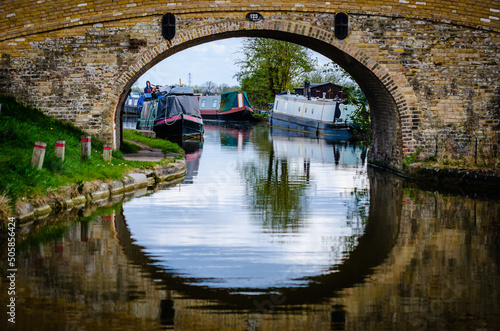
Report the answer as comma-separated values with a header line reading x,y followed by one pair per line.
x,y
128,184
101,190
140,180
79,200
116,187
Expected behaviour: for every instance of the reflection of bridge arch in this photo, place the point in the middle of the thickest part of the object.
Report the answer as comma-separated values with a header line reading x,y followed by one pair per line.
x,y
373,247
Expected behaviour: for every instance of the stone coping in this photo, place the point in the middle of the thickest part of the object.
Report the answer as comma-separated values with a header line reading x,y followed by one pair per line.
x,y
99,192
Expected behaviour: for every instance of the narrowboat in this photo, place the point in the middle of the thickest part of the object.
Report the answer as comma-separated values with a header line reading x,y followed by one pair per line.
x,y
131,110
327,118
147,115
178,115
230,106
209,106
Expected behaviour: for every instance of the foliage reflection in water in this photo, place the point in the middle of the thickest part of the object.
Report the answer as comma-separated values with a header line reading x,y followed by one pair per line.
x,y
361,250
262,213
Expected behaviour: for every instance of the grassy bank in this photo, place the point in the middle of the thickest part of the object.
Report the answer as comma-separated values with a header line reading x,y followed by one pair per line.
x,y
22,126
165,145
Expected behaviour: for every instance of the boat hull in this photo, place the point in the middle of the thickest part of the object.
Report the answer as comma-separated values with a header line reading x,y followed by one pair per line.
x,y
209,114
234,114
237,114
180,126
319,128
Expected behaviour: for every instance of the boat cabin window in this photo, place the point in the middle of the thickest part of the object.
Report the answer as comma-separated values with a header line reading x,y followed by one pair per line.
x,y
203,103
214,104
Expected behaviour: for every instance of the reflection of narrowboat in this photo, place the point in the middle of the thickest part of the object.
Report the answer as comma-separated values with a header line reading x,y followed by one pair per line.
x,y
178,115
232,106
193,149
293,145
323,117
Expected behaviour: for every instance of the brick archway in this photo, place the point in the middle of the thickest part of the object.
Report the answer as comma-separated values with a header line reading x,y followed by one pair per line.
x,y
386,88
430,71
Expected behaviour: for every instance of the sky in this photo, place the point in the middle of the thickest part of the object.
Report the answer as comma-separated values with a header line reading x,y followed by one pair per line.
x,y
214,61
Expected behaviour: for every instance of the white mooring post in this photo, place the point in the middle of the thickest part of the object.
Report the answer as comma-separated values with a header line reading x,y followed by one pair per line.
x,y
106,153
38,154
85,147
59,149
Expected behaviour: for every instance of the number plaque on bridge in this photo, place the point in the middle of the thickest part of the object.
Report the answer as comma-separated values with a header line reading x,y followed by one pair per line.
x,y
254,17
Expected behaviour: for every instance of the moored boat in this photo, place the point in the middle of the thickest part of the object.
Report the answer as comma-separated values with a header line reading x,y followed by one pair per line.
x,y
235,106
209,106
230,106
178,115
148,114
323,117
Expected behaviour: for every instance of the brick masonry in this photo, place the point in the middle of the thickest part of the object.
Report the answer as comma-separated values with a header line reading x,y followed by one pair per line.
x,y
430,70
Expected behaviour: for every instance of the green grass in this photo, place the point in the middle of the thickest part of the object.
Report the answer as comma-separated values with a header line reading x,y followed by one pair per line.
x,y
128,148
21,126
165,145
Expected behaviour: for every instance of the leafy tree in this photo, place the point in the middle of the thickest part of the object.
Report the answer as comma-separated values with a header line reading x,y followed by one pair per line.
x,y
271,66
361,117
332,73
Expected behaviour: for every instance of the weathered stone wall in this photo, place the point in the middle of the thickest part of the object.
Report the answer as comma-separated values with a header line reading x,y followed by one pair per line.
x,y
432,86
23,17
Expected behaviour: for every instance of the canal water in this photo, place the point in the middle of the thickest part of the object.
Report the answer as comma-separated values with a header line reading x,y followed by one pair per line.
x,y
268,231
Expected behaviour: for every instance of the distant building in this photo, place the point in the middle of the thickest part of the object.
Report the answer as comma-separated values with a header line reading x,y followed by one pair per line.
x,y
331,91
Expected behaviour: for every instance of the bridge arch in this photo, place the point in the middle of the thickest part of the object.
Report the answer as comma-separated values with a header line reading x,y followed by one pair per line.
x,y
387,102
430,70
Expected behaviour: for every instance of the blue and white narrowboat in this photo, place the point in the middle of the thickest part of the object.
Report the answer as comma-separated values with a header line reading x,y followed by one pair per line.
x,y
324,117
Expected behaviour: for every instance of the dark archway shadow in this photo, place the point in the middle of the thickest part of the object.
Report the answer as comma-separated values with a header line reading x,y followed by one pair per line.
x,y
374,246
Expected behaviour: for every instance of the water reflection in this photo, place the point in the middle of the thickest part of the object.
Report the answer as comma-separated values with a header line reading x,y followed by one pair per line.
x,y
262,223
193,150
409,259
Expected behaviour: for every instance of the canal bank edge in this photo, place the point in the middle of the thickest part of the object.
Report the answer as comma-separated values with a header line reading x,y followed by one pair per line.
x,y
482,182
78,196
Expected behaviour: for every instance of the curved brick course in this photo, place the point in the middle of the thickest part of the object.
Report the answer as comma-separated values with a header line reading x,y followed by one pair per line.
x,y
432,86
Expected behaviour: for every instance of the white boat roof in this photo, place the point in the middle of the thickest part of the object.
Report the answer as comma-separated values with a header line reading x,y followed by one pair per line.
x,y
296,97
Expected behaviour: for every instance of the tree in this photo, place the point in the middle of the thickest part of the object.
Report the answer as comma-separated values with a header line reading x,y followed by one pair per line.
x,y
361,117
271,66
331,73
209,87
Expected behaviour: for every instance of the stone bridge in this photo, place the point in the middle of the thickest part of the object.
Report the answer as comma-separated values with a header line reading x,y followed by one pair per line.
x,y
430,68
